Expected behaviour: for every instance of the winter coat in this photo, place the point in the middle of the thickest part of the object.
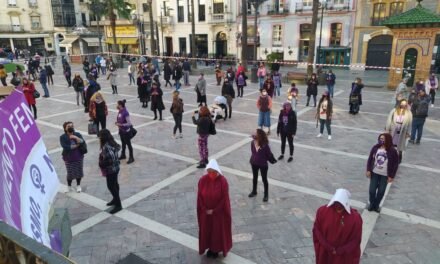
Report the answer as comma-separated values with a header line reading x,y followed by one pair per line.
x,y
156,100
405,130
167,72
108,159
227,89
356,89
312,87
28,91
290,128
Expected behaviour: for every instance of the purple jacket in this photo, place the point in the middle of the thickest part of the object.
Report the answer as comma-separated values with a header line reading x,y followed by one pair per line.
x,y
393,160
262,156
122,119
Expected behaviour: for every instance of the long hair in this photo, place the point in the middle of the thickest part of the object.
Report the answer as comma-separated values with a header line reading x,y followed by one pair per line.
x,y
399,110
93,98
204,112
106,137
388,140
261,138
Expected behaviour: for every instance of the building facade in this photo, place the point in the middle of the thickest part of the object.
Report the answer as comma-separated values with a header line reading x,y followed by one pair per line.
x,y
284,28
372,41
26,24
215,34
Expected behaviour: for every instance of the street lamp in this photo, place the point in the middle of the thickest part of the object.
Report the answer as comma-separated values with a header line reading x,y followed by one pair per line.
x,y
166,11
323,5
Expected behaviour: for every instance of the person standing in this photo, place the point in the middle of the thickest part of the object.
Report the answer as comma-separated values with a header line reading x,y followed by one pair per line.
x,y
264,105
131,72
260,155
293,96
98,63
103,63
43,81
112,77
324,114
123,122
420,85
177,112
86,66
218,73
50,73
214,212
276,77
29,90
177,75
78,86
241,83
312,89
156,100
330,78
91,90
431,87
398,125
261,73
98,111
337,231
355,99
167,73
201,90
204,124
382,165
143,85
401,91
3,75
269,86
68,73
109,165
287,125
186,70
229,93
73,144
94,71
419,110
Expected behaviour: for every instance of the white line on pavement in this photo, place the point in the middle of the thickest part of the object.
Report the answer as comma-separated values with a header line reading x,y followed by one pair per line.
x,y
89,222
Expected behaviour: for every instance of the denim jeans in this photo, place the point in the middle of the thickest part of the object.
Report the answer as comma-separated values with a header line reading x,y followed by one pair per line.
x,y
417,128
46,91
327,124
330,89
293,103
261,81
277,90
264,119
131,78
378,185
177,84
186,77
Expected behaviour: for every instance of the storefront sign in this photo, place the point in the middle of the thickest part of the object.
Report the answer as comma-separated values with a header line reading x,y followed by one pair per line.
x,y
122,31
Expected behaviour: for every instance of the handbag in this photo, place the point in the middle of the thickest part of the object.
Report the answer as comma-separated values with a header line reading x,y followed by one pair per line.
x,y
132,133
354,99
83,148
36,94
92,128
212,130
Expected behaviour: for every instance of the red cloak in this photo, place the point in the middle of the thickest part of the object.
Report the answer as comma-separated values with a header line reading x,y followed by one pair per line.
x,y
337,236
214,230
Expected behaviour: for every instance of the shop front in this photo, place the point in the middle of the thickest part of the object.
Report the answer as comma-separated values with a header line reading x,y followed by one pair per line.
x,y
127,38
334,55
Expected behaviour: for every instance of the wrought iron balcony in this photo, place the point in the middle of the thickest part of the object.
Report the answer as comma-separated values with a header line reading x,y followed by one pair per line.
x,y
276,10
167,20
330,7
11,28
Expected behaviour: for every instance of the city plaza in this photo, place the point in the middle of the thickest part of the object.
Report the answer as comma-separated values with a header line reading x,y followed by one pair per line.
x,y
159,190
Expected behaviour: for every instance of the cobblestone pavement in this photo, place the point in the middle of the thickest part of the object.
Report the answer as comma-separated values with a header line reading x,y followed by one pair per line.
x,y
159,222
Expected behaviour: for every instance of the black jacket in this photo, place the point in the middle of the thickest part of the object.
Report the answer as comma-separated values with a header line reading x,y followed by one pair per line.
x,y
312,87
65,143
167,72
227,89
203,125
177,73
290,129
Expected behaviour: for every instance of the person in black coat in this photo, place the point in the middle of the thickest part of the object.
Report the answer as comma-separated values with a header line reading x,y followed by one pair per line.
x,y
229,93
167,73
312,89
156,100
287,125
355,99
143,81
177,75
50,73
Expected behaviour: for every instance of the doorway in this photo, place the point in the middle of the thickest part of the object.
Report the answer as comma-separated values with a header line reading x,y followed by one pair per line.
x,y
221,45
379,51
409,66
169,45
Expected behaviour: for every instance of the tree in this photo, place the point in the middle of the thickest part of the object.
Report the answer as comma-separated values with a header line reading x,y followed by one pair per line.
x,y
312,43
193,39
244,33
112,9
256,4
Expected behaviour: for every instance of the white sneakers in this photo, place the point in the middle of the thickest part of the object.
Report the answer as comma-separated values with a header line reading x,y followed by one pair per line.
x,y
176,137
78,189
72,189
432,105
320,135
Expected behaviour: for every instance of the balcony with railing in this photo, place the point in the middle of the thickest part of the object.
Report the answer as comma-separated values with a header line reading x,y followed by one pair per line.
x,y
276,10
377,21
167,20
331,7
11,28
33,4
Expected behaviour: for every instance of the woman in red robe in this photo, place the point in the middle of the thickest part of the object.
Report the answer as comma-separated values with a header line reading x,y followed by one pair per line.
x,y
214,212
337,232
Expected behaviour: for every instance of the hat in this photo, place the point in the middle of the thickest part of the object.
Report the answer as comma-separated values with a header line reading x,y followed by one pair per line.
x,y
342,196
214,166
325,93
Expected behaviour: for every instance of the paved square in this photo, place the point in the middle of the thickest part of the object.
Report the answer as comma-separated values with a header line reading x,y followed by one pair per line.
x,y
159,220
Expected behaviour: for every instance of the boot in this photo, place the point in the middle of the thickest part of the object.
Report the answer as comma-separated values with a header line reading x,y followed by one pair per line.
x,y
122,157
266,197
254,191
130,160
116,89
160,116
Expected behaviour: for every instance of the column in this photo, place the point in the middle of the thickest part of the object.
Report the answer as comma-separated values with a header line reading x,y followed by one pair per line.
x,y
11,41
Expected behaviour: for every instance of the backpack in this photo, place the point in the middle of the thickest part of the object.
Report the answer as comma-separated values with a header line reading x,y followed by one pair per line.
x,y
240,80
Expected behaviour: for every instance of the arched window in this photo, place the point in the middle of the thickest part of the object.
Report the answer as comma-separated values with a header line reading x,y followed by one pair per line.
x,y
335,34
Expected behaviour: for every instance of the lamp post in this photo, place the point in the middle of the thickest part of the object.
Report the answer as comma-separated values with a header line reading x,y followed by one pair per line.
x,y
323,6
152,46
165,14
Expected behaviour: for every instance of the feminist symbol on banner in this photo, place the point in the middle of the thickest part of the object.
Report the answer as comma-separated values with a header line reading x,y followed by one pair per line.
x,y
36,178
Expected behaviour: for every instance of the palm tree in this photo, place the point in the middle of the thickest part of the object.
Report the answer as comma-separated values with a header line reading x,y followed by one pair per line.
x,y
244,33
256,4
312,44
112,9
193,39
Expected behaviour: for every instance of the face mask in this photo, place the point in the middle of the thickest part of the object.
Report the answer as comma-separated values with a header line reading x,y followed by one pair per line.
x,y
381,142
70,130
403,106
212,174
264,93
